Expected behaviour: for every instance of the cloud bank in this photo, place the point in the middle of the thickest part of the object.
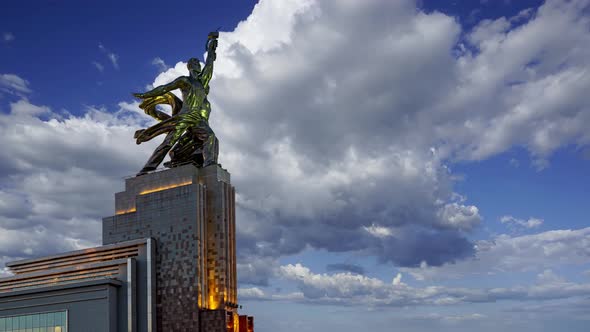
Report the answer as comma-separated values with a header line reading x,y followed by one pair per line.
x,y
339,137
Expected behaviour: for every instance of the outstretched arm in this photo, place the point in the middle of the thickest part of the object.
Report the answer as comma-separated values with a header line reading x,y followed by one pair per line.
x,y
162,89
207,72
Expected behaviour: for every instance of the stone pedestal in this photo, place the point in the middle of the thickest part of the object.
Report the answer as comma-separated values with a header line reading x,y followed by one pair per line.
x,y
190,212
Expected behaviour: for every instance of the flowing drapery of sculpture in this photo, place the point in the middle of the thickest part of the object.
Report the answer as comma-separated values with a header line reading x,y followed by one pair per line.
x,y
188,135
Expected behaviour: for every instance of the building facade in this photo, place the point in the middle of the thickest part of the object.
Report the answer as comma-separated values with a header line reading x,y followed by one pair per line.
x,y
168,263
96,289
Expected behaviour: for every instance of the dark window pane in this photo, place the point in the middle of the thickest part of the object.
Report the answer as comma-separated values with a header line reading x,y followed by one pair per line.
x,y
28,321
42,320
35,320
50,319
2,324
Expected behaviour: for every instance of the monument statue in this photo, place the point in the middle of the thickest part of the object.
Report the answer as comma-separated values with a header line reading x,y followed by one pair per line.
x,y
189,139
168,260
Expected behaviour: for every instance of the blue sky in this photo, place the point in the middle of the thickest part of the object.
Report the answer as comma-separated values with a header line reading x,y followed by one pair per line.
x,y
51,34
400,165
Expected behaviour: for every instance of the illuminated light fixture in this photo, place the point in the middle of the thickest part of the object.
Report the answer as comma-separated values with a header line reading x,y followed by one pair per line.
x,y
130,210
149,191
213,304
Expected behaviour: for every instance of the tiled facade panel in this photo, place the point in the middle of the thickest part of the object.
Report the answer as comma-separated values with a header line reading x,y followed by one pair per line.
x,y
220,239
214,321
221,263
202,235
233,273
172,218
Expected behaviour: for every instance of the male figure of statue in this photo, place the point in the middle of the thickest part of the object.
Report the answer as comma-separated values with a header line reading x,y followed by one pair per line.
x,y
189,127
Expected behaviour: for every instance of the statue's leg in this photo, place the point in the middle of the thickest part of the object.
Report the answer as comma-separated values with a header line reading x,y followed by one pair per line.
x,y
159,154
210,150
215,150
185,150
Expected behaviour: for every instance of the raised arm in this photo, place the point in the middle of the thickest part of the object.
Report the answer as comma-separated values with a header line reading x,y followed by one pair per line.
x,y
207,72
162,89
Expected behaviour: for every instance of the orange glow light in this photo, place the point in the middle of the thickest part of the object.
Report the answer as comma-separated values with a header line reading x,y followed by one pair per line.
x,y
130,210
149,191
213,304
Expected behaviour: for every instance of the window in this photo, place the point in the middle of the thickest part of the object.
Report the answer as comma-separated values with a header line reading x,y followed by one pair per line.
x,y
41,322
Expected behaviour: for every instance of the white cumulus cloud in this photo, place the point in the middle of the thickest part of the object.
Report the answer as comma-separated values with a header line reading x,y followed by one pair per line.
x,y
510,254
529,223
14,84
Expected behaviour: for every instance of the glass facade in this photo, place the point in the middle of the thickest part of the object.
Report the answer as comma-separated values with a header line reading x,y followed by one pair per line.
x,y
41,322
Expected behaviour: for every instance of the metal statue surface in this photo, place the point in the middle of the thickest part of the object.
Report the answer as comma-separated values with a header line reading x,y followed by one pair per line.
x,y
189,139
